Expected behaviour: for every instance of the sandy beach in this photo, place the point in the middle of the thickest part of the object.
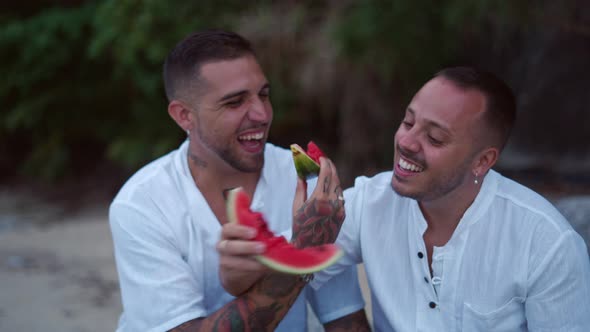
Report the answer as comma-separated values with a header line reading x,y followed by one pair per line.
x,y
57,271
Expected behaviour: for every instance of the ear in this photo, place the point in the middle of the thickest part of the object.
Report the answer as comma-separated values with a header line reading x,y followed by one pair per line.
x,y
484,161
181,115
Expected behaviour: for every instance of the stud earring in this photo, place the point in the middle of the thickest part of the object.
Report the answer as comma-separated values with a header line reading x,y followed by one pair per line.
x,y
475,181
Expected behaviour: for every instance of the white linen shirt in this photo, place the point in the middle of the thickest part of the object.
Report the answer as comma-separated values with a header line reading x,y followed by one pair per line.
x,y
164,236
512,264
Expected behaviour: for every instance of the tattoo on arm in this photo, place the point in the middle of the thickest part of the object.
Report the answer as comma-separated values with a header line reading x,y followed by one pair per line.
x,y
357,322
260,309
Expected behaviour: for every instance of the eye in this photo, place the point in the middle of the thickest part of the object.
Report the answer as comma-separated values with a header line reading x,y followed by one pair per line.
x,y
264,94
434,141
235,103
407,124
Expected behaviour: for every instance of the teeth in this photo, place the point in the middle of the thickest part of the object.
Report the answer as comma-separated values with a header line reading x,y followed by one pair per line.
x,y
250,137
409,167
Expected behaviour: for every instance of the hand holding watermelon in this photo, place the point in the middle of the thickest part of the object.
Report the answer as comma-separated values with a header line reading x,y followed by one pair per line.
x,y
279,254
317,220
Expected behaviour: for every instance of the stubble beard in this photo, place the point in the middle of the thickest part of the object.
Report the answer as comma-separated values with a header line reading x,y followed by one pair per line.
x,y
439,186
246,165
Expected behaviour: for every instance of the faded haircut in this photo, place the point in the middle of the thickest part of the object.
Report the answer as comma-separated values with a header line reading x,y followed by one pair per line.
x,y
183,63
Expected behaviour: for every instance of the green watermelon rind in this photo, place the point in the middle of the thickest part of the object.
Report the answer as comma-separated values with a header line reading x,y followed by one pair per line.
x,y
285,268
232,217
306,167
232,196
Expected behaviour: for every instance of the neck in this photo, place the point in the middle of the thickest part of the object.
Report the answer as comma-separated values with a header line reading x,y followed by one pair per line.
x,y
445,212
213,175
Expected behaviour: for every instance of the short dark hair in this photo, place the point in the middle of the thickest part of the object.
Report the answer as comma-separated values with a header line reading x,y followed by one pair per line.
x,y
185,60
500,110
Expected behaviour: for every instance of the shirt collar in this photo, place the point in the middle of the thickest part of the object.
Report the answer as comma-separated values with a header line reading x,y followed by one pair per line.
x,y
474,212
482,201
262,185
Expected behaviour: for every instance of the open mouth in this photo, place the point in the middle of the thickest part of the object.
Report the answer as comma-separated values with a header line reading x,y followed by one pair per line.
x,y
252,142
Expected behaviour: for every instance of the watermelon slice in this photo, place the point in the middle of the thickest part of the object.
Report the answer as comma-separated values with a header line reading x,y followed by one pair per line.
x,y
280,255
307,163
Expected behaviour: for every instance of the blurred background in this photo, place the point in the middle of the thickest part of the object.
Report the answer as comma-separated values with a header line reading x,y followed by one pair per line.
x,y
83,107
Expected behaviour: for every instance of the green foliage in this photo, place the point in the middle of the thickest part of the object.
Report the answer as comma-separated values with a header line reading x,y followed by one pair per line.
x,y
90,75
93,74
410,40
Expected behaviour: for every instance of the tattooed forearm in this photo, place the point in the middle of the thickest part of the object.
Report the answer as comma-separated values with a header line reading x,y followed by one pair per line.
x,y
277,285
356,322
260,309
317,222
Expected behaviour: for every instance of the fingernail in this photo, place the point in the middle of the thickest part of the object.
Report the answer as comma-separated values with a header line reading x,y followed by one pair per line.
x,y
251,233
260,248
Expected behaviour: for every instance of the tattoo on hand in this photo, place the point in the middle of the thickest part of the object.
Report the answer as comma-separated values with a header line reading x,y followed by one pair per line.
x,y
318,222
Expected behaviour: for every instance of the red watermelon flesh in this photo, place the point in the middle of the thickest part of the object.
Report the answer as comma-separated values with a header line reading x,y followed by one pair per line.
x,y
280,255
314,152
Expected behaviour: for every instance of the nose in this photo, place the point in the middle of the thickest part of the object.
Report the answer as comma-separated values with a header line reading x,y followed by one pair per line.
x,y
408,141
259,111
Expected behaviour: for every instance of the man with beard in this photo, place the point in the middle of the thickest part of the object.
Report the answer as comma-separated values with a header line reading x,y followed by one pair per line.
x,y
449,244
167,218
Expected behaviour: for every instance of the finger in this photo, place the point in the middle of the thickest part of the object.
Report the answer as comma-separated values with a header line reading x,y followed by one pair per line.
x,y
240,248
300,194
231,231
242,264
324,178
336,182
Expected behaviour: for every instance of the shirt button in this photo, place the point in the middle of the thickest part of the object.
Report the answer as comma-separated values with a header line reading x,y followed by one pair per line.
x,y
420,254
432,305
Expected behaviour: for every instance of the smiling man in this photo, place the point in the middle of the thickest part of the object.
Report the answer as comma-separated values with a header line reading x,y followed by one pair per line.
x,y
447,243
167,218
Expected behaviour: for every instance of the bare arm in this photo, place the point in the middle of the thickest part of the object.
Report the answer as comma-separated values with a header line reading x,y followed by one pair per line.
x,y
259,309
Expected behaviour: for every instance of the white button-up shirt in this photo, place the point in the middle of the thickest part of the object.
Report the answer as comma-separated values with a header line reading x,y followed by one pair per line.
x,y
512,264
165,235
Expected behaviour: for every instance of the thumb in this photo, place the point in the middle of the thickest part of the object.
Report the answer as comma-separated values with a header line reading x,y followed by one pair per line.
x,y
300,194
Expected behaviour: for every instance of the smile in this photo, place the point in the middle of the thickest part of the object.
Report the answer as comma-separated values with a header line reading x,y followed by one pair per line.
x,y
251,137
407,166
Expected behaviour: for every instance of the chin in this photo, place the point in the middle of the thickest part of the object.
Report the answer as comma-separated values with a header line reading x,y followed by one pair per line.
x,y
405,192
251,166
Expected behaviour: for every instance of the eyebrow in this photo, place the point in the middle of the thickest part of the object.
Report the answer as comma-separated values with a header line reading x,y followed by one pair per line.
x,y
431,123
240,93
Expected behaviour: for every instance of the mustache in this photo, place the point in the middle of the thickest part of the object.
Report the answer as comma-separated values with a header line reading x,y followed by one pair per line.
x,y
411,156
